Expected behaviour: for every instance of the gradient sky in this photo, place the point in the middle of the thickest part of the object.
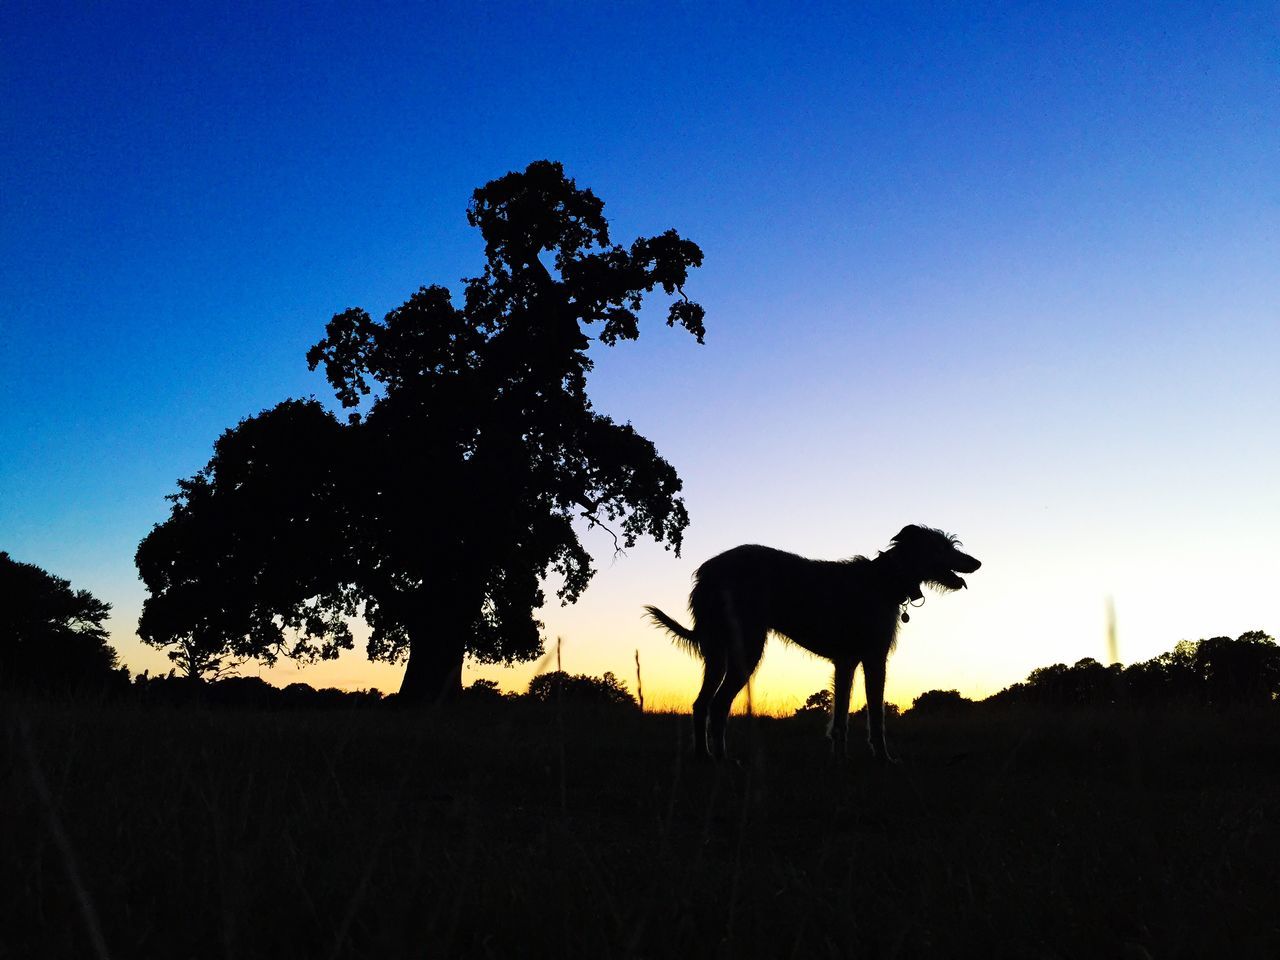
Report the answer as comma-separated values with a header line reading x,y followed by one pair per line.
x,y
1010,270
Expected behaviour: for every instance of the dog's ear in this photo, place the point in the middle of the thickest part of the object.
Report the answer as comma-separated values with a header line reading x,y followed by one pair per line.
x,y
909,532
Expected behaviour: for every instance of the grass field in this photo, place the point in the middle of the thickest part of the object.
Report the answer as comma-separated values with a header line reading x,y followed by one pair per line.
x,y
512,831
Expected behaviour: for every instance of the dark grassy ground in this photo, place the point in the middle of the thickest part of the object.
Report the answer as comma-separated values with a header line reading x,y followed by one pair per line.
x,y
512,832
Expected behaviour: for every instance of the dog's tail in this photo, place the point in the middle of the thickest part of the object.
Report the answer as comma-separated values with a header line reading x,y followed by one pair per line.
x,y
684,637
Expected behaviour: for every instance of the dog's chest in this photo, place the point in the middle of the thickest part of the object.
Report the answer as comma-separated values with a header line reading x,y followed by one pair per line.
x,y
839,626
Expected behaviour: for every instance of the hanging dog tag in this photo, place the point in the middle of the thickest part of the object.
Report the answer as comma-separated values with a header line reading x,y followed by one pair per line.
x,y
906,617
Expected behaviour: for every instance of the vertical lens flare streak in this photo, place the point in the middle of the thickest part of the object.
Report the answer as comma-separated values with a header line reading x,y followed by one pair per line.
x,y
1113,644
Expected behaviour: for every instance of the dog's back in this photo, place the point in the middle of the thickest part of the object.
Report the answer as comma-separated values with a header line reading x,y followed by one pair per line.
x,y
753,589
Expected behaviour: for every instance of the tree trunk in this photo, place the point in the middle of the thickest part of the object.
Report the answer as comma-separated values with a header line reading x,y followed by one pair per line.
x,y
434,671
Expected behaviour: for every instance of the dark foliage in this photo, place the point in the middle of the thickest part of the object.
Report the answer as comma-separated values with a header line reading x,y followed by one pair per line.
x,y
818,704
891,711
943,702
52,638
1243,670
451,491
246,564
484,691
178,690
1219,672
580,688
817,710
548,688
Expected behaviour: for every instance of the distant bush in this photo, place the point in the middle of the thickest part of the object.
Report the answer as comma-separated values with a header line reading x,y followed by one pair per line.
x,y
484,691
579,688
818,704
243,692
304,695
891,711
934,702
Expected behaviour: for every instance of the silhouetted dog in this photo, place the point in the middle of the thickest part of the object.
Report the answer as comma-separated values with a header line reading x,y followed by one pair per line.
x,y
845,610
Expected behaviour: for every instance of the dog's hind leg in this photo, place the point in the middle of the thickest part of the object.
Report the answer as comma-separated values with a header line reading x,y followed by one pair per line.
x,y
741,663
838,731
735,679
713,670
873,674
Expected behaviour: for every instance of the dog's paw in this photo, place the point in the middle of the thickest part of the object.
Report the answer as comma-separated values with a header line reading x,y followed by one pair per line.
x,y
884,758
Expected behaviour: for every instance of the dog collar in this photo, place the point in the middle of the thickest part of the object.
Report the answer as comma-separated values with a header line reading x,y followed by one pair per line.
x,y
909,602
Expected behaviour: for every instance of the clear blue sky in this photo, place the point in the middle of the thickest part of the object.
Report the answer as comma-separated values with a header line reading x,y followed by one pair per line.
x,y
1006,269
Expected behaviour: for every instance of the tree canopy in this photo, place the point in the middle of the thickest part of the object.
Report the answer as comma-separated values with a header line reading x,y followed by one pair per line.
x,y
450,494
51,637
252,561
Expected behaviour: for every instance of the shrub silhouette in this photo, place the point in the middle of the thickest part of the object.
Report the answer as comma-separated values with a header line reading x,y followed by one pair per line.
x,y
940,702
579,688
817,705
484,691
891,710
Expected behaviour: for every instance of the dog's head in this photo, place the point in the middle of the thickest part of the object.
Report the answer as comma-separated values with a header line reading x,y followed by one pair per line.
x,y
930,556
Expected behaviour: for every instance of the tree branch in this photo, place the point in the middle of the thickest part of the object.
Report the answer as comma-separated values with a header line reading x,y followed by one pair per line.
x,y
595,521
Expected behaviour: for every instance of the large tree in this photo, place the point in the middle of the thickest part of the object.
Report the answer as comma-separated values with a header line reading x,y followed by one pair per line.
x,y
51,636
450,495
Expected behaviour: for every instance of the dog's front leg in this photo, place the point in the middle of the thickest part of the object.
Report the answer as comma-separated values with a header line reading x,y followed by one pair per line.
x,y
873,673
838,731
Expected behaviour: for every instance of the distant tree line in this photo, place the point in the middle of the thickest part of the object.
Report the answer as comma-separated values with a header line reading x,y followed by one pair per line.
x,y
53,641
1217,672
232,691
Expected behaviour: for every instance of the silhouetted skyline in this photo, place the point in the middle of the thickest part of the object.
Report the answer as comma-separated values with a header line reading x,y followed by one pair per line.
x,y
1008,272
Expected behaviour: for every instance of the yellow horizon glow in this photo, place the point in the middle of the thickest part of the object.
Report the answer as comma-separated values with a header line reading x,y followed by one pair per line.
x,y
1013,619
1049,566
